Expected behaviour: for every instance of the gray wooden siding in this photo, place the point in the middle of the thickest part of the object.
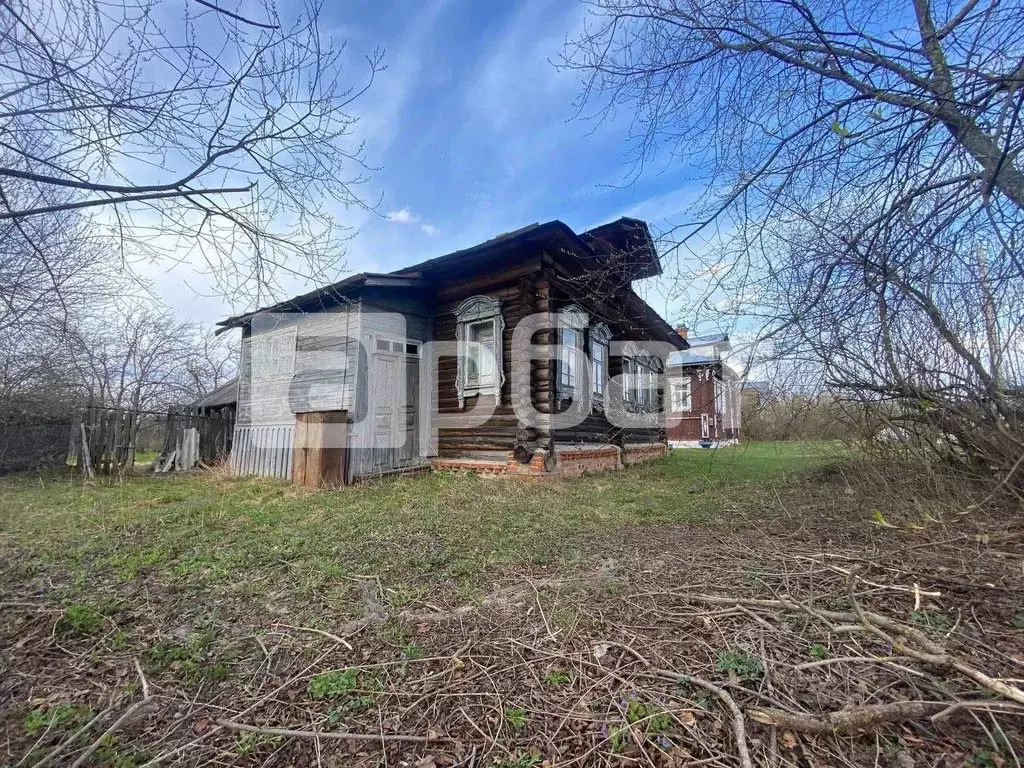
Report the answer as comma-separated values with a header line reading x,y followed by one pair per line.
x,y
331,372
326,353
324,374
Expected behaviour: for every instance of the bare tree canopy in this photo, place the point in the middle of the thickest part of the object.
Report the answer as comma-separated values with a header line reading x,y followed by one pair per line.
x,y
865,207
817,97
131,355
182,128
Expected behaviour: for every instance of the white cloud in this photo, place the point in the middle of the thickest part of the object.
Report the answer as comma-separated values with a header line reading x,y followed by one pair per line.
x,y
405,216
402,216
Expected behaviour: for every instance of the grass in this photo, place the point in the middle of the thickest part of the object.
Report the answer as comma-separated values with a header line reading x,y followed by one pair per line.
x,y
200,531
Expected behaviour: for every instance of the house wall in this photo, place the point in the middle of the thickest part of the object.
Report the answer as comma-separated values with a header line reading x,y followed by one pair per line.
x,y
265,427
685,426
525,291
521,292
396,317
326,355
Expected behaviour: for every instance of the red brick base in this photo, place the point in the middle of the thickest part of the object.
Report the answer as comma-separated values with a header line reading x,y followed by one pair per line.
x,y
569,462
634,454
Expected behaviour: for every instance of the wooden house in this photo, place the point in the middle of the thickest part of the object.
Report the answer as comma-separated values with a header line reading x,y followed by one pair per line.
x,y
422,367
703,404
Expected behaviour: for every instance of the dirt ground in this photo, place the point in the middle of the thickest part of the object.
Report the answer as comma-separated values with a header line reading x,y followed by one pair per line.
x,y
837,622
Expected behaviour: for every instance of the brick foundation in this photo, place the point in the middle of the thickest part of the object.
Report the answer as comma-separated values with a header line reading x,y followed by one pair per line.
x,y
569,461
634,454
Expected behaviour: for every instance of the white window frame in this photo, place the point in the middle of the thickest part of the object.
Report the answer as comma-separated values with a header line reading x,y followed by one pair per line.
x,y
477,311
600,338
570,374
677,386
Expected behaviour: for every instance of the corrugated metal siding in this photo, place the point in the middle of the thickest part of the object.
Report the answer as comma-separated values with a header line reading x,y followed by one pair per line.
x,y
263,450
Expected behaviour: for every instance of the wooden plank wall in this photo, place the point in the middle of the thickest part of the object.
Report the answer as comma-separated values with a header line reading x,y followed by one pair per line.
x,y
214,432
326,350
394,318
520,296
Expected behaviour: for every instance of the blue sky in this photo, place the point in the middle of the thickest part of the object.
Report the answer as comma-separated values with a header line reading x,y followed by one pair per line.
x,y
475,132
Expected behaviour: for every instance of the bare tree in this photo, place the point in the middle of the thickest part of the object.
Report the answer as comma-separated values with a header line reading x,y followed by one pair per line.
x,y
865,196
144,358
181,128
782,95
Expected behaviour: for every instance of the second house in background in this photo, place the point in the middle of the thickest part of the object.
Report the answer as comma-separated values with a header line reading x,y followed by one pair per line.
x,y
703,403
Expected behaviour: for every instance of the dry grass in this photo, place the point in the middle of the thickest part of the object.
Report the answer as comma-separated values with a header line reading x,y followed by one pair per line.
x,y
604,647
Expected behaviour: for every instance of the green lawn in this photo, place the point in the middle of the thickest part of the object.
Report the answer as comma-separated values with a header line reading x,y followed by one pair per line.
x,y
202,530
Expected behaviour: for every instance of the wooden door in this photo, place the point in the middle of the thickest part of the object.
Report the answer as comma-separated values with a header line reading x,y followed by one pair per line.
x,y
319,449
393,398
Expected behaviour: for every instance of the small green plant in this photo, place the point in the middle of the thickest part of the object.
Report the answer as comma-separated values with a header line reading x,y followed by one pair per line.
x,y
82,619
401,596
187,660
930,619
819,651
518,760
413,652
55,718
352,691
745,666
556,677
650,718
334,684
250,743
515,717
396,633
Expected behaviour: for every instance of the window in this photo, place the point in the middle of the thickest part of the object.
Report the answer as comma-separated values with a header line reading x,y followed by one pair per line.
x,y
628,385
571,323
599,338
641,378
396,347
679,394
272,354
480,354
479,330
570,341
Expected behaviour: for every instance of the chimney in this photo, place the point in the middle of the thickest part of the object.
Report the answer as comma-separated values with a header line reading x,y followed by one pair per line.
x,y
683,331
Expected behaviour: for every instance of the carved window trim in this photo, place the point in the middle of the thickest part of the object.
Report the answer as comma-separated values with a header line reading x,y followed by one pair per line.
x,y
630,365
474,311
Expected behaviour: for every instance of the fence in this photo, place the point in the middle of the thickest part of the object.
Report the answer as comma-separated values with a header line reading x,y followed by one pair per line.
x,y
100,441
196,435
34,444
